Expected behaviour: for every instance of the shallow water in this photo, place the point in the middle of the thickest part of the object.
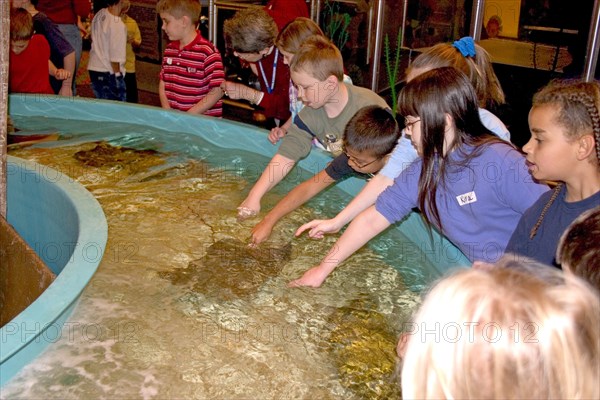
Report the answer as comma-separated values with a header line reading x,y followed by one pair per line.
x,y
181,308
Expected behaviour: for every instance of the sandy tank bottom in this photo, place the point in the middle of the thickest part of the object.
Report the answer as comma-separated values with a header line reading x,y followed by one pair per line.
x,y
181,308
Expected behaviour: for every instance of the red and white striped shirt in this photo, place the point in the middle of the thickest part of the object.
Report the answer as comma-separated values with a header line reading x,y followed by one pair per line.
x,y
189,74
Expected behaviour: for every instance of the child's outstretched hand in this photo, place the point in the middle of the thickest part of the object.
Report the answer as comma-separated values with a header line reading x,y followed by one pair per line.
x,y
276,134
62,74
260,233
314,277
319,227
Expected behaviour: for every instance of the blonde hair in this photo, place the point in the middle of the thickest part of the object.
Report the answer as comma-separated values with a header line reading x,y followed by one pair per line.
x,y
578,249
295,33
505,334
181,8
478,69
319,58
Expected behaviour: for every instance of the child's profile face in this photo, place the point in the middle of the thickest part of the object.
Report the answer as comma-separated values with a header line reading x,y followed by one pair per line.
x,y
18,46
175,28
287,56
412,130
311,91
364,162
550,154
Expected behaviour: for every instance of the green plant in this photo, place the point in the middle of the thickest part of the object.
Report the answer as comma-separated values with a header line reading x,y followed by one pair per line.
x,y
392,67
337,24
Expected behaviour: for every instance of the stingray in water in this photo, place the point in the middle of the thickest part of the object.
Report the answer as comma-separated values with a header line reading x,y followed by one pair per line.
x,y
230,269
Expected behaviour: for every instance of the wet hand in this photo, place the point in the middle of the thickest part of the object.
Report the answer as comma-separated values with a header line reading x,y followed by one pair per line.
x,y
314,277
260,233
318,228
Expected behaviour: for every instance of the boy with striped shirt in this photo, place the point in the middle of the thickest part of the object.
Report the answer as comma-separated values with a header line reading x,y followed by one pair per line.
x,y
192,69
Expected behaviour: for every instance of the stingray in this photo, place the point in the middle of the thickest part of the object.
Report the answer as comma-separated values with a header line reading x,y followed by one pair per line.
x,y
230,269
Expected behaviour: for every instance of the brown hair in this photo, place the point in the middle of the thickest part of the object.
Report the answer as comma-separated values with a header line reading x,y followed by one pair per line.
x,y
181,8
478,69
578,250
295,33
319,58
251,30
21,24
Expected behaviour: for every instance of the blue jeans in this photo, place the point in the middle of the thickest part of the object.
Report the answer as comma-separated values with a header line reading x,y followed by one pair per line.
x,y
108,86
73,36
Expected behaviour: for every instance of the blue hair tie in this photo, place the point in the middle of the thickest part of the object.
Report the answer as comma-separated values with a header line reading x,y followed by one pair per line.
x,y
466,46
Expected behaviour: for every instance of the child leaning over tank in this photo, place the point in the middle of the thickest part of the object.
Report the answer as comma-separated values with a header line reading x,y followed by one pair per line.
x,y
369,137
449,183
317,71
476,64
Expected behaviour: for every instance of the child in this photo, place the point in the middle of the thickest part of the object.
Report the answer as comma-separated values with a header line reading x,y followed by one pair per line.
x,y
134,40
369,137
317,70
251,33
579,248
451,182
106,65
504,334
288,42
62,53
476,64
30,66
564,147
192,69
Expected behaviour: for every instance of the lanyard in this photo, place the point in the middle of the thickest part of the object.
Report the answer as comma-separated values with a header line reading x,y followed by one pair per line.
x,y
262,71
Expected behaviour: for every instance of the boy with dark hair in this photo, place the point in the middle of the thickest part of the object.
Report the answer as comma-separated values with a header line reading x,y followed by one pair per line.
x,y
318,71
369,137
192,69
30,67
578,249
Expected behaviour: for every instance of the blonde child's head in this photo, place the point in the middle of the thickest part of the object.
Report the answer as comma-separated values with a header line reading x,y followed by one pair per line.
x,y
178,9
125,5
294,34
476,64
251,30
318,57
578,251
504,334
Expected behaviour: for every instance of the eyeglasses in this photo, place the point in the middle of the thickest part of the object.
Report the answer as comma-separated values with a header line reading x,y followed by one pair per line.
x,y
248,57
359,166
409,124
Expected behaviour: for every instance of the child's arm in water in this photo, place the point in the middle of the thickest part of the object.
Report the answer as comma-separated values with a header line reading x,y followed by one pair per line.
x,y
294,199
274,172
365,226
367,196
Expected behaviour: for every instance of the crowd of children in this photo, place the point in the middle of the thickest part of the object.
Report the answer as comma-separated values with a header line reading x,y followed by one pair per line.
x,y
518,217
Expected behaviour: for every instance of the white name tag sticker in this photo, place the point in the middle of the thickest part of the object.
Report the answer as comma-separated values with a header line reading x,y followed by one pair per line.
x,y
466,198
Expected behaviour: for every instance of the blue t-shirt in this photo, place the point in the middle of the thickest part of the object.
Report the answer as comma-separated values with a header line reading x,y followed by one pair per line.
x,y
557,218
404,153
479,204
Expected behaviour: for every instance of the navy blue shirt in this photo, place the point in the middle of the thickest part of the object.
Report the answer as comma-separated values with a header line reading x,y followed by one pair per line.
x,y
558,217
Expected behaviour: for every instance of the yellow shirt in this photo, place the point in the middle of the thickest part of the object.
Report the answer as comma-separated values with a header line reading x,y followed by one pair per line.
x,y
133,36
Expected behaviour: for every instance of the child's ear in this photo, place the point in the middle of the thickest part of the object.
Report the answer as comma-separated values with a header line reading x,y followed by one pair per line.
x,y
587,147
